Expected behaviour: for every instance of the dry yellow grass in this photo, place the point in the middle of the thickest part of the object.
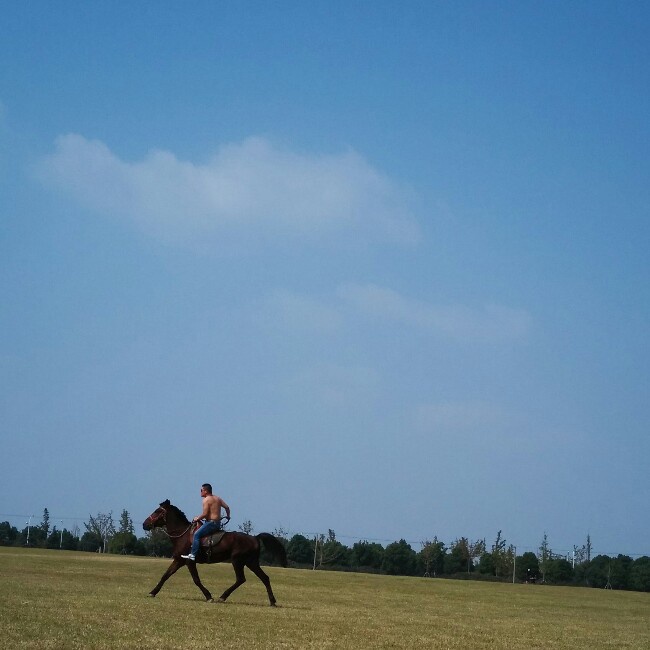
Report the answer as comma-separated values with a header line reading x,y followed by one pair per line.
x,y
58,599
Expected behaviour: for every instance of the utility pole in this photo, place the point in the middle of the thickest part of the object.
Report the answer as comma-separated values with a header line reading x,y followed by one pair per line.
x,y
29,523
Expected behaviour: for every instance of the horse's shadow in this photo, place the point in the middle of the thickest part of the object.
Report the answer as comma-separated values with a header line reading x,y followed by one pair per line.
x,y
243,603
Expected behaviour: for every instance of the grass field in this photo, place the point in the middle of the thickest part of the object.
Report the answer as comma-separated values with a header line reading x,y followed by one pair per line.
x,y
60,599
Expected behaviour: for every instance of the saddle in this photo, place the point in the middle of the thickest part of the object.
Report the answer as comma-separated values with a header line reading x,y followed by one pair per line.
x,y
209,542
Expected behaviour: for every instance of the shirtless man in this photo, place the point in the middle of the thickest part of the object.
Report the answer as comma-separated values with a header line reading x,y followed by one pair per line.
x,y
212,505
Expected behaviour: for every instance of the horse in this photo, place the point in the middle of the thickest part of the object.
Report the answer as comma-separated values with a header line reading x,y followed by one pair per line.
x,y
240,549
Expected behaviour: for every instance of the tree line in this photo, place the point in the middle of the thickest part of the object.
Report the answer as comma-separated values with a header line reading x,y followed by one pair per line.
x,y
101,535
461,559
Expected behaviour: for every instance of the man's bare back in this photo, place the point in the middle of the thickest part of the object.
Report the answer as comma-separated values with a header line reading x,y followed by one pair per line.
x,y
212,505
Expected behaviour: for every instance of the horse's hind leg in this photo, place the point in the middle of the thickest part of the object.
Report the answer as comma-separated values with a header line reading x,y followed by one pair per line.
x,y
238,566
197,581
255,567
173,567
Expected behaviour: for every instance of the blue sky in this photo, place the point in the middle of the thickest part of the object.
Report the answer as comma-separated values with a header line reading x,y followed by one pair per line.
x,y
380,268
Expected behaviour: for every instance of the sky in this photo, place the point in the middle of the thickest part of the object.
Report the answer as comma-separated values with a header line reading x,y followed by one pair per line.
x,y
380,268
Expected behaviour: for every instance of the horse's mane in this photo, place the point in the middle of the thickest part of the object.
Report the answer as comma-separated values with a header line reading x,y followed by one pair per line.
x,y
178,511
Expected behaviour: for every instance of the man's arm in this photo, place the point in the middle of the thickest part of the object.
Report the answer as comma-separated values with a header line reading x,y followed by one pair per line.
x,y
226,507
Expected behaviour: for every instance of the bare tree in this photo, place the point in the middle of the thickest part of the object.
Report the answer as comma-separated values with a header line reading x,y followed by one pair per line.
x,y
103,526
544,555
246,527
281,533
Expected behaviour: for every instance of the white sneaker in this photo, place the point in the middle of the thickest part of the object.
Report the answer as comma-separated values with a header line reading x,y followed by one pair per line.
x,y
189,556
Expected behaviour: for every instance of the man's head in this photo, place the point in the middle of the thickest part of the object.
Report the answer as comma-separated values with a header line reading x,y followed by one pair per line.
x,y
206,488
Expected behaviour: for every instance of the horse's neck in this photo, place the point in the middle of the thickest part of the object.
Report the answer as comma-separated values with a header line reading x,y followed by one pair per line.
x,y
176,523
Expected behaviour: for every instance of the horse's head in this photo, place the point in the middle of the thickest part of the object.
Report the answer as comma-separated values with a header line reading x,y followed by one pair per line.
x,y
158,517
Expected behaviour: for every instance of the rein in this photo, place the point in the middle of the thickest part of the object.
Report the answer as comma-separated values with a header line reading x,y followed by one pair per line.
x,y
177,536
169,534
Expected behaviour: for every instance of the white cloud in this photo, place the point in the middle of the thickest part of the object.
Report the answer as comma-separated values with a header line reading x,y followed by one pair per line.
x,y
245,187
292,311
491,324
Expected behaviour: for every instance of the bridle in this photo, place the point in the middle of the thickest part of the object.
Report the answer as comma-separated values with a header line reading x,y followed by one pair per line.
x,y
164,519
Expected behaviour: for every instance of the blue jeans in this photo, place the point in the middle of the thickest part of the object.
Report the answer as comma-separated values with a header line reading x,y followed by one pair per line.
x,y
208,528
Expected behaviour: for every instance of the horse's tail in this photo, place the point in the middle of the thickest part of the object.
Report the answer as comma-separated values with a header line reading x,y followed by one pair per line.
x,y
275,546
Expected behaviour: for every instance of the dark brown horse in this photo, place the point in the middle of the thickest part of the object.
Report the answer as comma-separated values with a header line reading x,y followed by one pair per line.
x,y
240,549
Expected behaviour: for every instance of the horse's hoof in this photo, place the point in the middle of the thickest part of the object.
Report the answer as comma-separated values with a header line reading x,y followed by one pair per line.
x,y
210,600
151,595
221,600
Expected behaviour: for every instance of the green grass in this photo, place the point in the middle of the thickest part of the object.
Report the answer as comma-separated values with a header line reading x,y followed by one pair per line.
x,y
59,599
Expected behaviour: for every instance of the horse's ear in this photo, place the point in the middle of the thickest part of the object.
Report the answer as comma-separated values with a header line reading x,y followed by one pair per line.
x,y
165,503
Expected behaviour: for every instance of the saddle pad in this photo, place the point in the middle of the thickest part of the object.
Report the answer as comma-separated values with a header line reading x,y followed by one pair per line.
x,y
212,540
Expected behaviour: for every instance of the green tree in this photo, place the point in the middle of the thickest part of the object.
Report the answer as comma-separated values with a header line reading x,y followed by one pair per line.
x,y
501,556
367,555
604,571
598,571
157,543
8,534
461,545
91,542
467,551
123,543
55,539
45,524
70,541
558,571
486,565
527,567
333,553
32,536
475,550
300,550
454,561
126,523
639,578
620,571
399,559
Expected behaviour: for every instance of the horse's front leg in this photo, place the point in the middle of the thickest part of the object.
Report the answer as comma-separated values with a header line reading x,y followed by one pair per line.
x,y
197,581
176,564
